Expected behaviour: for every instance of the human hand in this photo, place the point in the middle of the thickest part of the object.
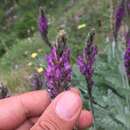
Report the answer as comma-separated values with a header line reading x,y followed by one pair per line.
x,y
35,111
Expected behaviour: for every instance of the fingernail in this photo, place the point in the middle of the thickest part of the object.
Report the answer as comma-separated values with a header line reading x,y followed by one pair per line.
x,y
68,105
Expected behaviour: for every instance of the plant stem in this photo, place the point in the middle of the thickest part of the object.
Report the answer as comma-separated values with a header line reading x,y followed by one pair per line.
x,y
46,40
91,104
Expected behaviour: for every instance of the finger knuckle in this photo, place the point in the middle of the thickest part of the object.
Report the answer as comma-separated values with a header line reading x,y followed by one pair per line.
x,y
49,125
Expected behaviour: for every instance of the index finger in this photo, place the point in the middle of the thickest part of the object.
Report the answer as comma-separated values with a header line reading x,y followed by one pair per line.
x,y
15,110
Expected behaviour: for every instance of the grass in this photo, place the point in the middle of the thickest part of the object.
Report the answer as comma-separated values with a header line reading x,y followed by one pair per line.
x,y
14,66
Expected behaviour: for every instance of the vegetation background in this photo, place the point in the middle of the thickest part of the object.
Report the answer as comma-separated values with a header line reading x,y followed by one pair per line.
x,y
20,41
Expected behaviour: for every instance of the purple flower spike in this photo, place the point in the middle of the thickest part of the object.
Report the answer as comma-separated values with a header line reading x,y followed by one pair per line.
x,y
43,27
58,73
127,61
128,39
127,55
128,6
37,81
120,12
42,22
86,61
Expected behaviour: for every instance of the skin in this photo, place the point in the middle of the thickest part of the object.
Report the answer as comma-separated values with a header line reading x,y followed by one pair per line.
x,y
24,112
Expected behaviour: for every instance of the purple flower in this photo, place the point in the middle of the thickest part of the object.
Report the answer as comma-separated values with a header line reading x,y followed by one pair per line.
x,y
127,61
37,81
128,6
127,55
58,72
4,91
42,22
86,61
120,12
43,27
128,38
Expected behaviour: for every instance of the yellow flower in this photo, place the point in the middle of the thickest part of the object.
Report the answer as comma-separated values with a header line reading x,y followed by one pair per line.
x,y
30,64
81,26
34,55
40,70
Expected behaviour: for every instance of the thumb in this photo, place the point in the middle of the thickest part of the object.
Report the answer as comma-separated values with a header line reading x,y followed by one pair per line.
x,y
62,113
